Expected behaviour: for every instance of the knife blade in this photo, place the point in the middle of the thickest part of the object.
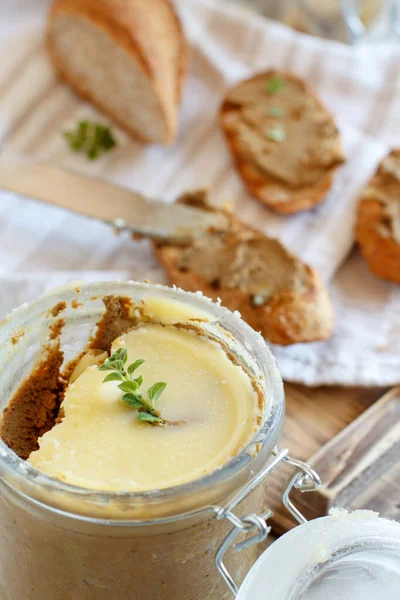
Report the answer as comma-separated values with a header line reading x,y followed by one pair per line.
x,y
97,199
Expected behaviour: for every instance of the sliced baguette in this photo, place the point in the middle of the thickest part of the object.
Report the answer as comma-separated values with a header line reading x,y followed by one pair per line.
x,y
275,292
378,220
126,57
295,170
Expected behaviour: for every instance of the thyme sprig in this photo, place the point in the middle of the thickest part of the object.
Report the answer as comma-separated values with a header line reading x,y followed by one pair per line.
x,y
91,138
131,386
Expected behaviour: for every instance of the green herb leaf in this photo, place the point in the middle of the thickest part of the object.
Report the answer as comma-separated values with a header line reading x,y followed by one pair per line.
x,y
103,137
108,140
106,366
139,380
90,138
75,143
131,387
132,400
119,365
83,127
113,377
275,85
128,386
120,354
155,391
149,418
276,111
276,134
92,153
132,368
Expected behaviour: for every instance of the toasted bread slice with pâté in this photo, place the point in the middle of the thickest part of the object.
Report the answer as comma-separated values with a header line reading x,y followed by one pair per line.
x,y
275,292
378,219
284,143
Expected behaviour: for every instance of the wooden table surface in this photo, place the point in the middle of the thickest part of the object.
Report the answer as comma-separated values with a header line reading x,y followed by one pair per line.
x,y
315,415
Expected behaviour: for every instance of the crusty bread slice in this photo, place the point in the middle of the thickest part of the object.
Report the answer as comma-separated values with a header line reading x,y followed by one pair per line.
x,y
128,57
275,292
378,220
275,194
284,143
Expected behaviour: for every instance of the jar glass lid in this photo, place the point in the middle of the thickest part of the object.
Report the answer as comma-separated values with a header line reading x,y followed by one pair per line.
x,y
344,556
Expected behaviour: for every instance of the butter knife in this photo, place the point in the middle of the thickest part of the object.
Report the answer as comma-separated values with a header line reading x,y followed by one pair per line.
x,y
97,199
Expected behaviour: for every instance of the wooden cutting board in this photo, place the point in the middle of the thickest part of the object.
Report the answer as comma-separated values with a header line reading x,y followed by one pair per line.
x,y
351,437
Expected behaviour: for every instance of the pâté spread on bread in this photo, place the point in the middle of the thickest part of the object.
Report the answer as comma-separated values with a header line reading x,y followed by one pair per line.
x,y
275,292
285,144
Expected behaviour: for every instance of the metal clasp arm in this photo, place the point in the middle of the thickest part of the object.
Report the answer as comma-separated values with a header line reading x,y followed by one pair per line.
x,y
304,479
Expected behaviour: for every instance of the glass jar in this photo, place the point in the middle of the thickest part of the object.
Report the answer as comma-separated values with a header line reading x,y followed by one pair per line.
x,y
350,21
59,541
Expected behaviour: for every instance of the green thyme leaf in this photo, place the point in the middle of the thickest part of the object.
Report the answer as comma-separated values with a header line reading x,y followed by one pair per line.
x,y
83,127
128,386
108,140
132,400
103,137
139,380
275,85
149,418
276,111
106,366
120,354
113,377
133,396
119,365
91,138
155,391
276,134
92,153
75,143
132,368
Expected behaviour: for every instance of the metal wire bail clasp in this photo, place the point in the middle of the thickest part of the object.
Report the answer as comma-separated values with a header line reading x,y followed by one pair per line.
x,y
304,479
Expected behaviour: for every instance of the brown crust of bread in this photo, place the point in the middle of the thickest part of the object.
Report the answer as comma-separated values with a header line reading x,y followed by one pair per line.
x,y
291,316
381,253
118,20
259,183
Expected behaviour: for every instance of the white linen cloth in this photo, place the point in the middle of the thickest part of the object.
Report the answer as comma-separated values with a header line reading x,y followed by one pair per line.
x,y
41,247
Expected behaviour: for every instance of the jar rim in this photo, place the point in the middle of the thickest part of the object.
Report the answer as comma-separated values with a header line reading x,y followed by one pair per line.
x,y
12,466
